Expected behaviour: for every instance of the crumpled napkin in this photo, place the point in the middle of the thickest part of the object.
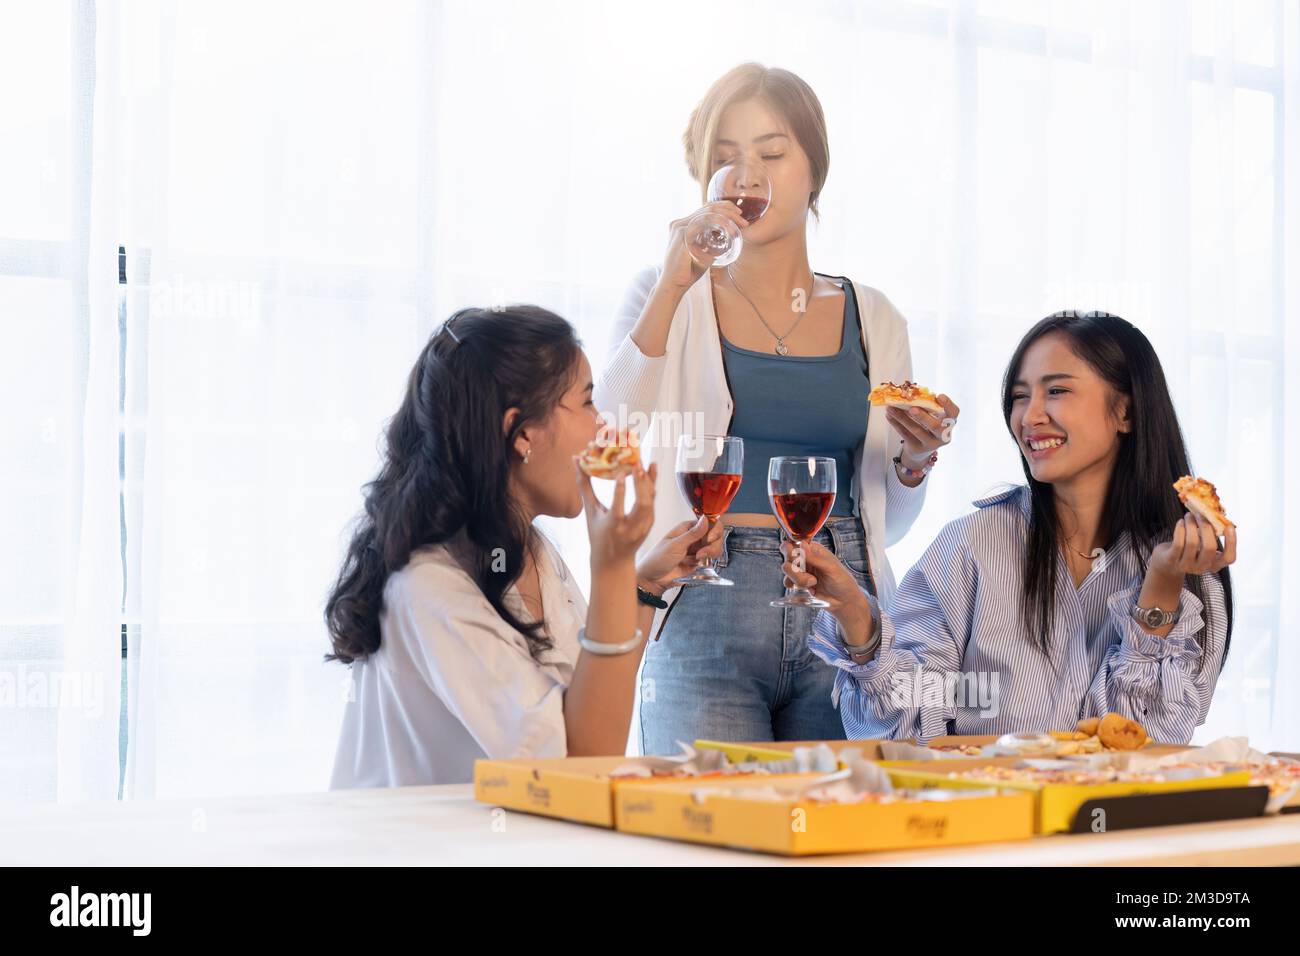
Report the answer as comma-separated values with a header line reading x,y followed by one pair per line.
x,y
901,750
856,780
690,762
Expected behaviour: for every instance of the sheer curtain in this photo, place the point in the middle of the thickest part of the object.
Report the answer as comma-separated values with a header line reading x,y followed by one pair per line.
x,y
303,190
60,567
285,264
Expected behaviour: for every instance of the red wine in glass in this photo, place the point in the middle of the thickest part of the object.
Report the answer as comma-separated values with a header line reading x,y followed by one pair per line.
x,y
751,207
802,492
712,238
709,470
709,494
803,513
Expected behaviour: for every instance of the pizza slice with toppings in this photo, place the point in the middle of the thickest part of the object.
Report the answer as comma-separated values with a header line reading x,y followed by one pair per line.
x,y
1200,497
907,395
611,455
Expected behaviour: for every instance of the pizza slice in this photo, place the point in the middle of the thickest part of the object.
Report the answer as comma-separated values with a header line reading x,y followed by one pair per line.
x,y
611,455
1200,497
907,395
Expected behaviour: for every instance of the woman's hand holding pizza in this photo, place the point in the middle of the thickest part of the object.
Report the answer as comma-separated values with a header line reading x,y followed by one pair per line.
x,y
923,432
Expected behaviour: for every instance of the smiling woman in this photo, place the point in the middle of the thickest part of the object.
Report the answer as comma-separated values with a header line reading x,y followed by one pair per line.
x,y
1096,538
1089,406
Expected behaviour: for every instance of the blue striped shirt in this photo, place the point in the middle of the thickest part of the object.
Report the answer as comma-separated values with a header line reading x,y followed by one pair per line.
x,y
954,656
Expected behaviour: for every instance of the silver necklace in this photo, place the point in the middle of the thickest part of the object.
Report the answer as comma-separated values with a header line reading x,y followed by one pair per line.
x,y
781,347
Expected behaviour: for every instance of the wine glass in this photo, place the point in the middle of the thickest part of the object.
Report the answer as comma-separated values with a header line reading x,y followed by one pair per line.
x,y
802,492
709,469
712,238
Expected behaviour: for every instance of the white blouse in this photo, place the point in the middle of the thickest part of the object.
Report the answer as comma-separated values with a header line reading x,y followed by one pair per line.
x,y
685,390
452,682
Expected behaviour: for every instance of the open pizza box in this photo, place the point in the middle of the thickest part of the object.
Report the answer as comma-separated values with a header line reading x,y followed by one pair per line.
x,y
772,816
1280,772
1187,795
582,789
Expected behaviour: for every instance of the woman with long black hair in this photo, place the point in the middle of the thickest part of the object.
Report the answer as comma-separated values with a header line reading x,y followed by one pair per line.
x,y
1085,591
466,634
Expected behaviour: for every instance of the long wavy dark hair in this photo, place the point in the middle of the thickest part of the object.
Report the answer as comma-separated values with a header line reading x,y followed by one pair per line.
x,y
447,465
1152,456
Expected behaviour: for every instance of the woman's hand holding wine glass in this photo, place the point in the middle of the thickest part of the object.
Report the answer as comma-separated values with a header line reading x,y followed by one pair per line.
x,y
802,492
713,239
679,553
709,472
825,575
738,195
681,268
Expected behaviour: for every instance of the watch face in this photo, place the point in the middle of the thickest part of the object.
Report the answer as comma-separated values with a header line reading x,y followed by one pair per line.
x,y
1154,617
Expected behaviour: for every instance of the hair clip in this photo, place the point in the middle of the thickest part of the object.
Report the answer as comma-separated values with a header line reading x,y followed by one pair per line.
x,y
1076,314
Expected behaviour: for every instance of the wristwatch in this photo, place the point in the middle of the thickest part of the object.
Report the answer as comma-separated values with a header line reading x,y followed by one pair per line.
x,y
645,597
1153,617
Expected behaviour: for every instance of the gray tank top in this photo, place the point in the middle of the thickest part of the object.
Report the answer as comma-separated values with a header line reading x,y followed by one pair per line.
x,y
800,405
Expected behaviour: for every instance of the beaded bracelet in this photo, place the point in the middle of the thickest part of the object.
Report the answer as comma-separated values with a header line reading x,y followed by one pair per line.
x,y
921,473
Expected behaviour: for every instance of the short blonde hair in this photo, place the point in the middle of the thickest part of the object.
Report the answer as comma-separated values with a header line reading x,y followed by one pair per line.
x,y
787,94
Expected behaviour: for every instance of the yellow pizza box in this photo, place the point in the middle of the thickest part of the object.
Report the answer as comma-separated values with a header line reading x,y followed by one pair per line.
x,y
1056,804
569,788
745,752
714,811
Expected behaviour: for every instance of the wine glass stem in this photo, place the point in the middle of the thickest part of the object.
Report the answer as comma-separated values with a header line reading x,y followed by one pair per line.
x,y
797,560
706,563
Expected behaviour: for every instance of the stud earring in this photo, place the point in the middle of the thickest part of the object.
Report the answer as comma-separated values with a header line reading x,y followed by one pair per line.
x,y
527,454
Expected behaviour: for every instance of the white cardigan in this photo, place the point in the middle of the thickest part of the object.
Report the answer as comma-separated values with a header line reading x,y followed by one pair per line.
x,y
685,390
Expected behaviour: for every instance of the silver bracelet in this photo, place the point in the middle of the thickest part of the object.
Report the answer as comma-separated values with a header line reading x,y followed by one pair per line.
x,y
873,642
608,650
866,650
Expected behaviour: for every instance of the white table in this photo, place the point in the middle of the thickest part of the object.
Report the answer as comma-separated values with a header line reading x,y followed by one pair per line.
x,y
444,825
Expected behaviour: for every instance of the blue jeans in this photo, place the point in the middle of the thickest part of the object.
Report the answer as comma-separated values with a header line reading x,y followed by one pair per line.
x,y
728,666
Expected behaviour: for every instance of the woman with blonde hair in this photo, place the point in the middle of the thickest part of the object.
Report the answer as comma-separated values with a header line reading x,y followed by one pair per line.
x,y
783,357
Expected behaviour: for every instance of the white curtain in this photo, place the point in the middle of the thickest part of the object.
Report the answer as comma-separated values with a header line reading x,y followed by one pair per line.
x,y
60,565
303,190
